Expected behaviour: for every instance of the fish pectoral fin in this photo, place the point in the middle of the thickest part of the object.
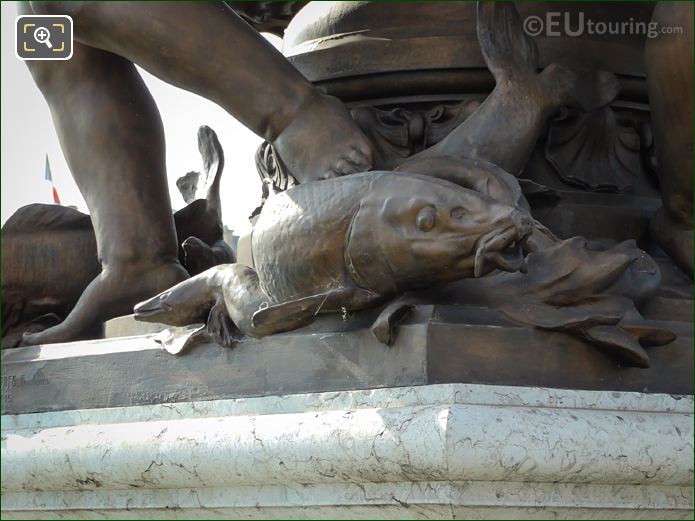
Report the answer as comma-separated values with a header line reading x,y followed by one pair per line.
x,y
179,340
220,328
384,327
296,313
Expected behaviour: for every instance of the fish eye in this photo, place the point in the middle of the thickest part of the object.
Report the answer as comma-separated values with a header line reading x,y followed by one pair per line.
x,y
426,219
457,213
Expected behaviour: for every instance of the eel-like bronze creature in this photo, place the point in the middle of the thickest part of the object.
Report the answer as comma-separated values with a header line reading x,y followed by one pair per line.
x,y
346,244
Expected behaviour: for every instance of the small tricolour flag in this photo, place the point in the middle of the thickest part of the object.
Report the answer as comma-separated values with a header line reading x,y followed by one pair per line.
x,y
49,178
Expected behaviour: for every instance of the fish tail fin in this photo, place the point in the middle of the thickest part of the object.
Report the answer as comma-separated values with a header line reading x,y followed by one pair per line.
x,y
507,49
512,56
213,164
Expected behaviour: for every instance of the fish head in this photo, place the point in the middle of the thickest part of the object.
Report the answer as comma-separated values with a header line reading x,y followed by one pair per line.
x,y
413,231
188,302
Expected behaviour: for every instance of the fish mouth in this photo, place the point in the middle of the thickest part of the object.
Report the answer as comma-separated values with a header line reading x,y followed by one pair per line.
x,y
503,249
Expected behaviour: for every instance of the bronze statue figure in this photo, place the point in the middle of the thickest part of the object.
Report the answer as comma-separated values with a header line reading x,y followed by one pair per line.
x,y
451,219
112,136
49,252
358,241
669,60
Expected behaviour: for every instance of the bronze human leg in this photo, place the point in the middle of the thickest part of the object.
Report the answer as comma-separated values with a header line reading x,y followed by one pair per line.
x,y
204,47
669,60
112,136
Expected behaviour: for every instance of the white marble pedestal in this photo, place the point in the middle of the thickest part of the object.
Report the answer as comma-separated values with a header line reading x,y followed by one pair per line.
x,y
436,451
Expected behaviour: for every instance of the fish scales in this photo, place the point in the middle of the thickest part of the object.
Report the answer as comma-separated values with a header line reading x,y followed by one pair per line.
x,y
304,230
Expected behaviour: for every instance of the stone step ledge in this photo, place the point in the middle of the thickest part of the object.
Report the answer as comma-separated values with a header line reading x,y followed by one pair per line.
x,y
423,448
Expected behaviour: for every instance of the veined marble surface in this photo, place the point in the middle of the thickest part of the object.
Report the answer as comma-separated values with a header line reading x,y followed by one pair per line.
x,y
434,451
442,394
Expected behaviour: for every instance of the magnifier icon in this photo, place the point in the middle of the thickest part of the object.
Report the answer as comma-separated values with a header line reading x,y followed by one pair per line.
x,y
43,35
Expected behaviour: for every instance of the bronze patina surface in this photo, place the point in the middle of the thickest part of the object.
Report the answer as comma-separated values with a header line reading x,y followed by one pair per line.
x,y
357,241
49,252
112,136
535,191
347,243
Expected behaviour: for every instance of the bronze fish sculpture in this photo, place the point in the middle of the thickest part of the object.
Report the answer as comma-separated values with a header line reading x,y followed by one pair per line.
x,y
346,244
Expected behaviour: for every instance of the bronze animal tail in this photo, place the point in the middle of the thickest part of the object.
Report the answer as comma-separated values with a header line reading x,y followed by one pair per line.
x,y
505,128
512,56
